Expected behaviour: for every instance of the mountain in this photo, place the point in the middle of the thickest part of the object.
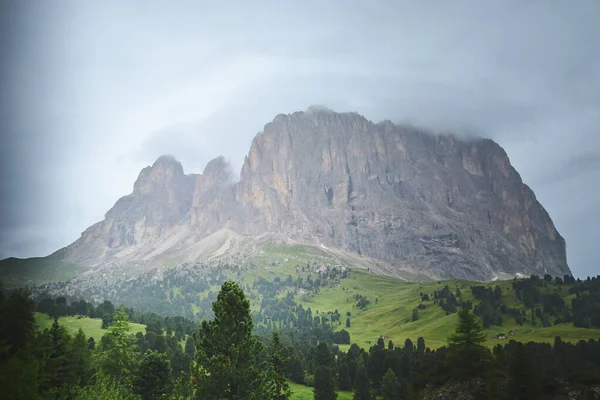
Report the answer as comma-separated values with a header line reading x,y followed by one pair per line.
x,y
397,199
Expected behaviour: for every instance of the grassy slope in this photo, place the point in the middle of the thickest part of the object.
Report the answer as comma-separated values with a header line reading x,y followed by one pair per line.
x,y
15,272
91,326
301,392
396,300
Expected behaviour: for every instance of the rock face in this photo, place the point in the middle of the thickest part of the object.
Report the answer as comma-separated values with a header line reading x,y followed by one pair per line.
x,y
161,198
398,196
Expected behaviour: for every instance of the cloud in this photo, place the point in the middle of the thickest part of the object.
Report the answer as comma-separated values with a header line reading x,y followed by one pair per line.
x,y
92,94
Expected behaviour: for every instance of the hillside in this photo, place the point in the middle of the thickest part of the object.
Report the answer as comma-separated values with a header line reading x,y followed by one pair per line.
x,y
92,327
278,290
338,317
20,272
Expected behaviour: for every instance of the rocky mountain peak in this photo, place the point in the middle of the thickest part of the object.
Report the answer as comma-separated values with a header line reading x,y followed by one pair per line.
x,y
166,171
219,169
407,200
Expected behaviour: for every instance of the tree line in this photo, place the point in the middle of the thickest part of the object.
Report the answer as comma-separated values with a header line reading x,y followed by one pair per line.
x,y
225,358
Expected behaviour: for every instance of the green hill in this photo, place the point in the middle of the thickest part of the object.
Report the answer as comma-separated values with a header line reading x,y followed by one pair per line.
x,y
392,302
92,327
19,272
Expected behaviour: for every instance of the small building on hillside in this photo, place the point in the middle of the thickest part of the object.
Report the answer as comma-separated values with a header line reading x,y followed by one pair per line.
x,y
512,332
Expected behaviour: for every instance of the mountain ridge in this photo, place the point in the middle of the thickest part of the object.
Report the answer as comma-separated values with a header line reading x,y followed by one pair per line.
x,y
397,199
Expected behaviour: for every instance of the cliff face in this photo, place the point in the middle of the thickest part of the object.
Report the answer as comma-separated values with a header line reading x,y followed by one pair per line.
x,y
397,195
161,198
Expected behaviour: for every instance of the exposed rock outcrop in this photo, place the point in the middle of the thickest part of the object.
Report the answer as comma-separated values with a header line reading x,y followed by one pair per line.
x,y
397,195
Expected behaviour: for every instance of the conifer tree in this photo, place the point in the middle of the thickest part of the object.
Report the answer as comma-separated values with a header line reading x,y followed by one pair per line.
x,y
226,350
119,357
362,384
390,387
154,376
324,377
524,378
467,355
277,362
82,357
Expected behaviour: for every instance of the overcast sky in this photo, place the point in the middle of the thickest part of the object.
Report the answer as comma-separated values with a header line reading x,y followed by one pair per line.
x,y
91,92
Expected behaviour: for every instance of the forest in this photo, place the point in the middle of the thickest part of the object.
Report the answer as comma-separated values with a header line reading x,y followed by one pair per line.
x,y
235,355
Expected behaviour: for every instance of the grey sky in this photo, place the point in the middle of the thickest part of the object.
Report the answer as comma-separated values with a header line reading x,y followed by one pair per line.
x,y
91,92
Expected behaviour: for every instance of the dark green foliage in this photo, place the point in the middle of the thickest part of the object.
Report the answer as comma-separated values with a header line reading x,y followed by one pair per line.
x,y
415,314
524,382
82,358
344,382
324,386
468,357
362,384
60,368
294,370
280,388
54,364
16,321
119,355
190,347
390,386
226,350
153,376
341,337
105,388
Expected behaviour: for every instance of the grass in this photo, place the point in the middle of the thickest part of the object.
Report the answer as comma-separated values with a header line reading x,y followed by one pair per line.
x,y
301,392
392,303
19,272
90,326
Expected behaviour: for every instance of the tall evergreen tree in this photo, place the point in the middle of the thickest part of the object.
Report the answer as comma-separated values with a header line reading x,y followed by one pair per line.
x,y
226,350
467,356
82,357
277,362
362,384
524,376
154,376
344,382
59,366
390,387
119,357
190,347
324,376
295,370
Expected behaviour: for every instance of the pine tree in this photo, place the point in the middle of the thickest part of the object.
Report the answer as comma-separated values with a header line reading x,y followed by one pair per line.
x,y
190,347
344,382
524,377
226,350
324,377
415,314
295,371
277,362
467,355
82,357
348,322
362,385
324,384
421,345
154,376
119,356
390,386
59,368
406,390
